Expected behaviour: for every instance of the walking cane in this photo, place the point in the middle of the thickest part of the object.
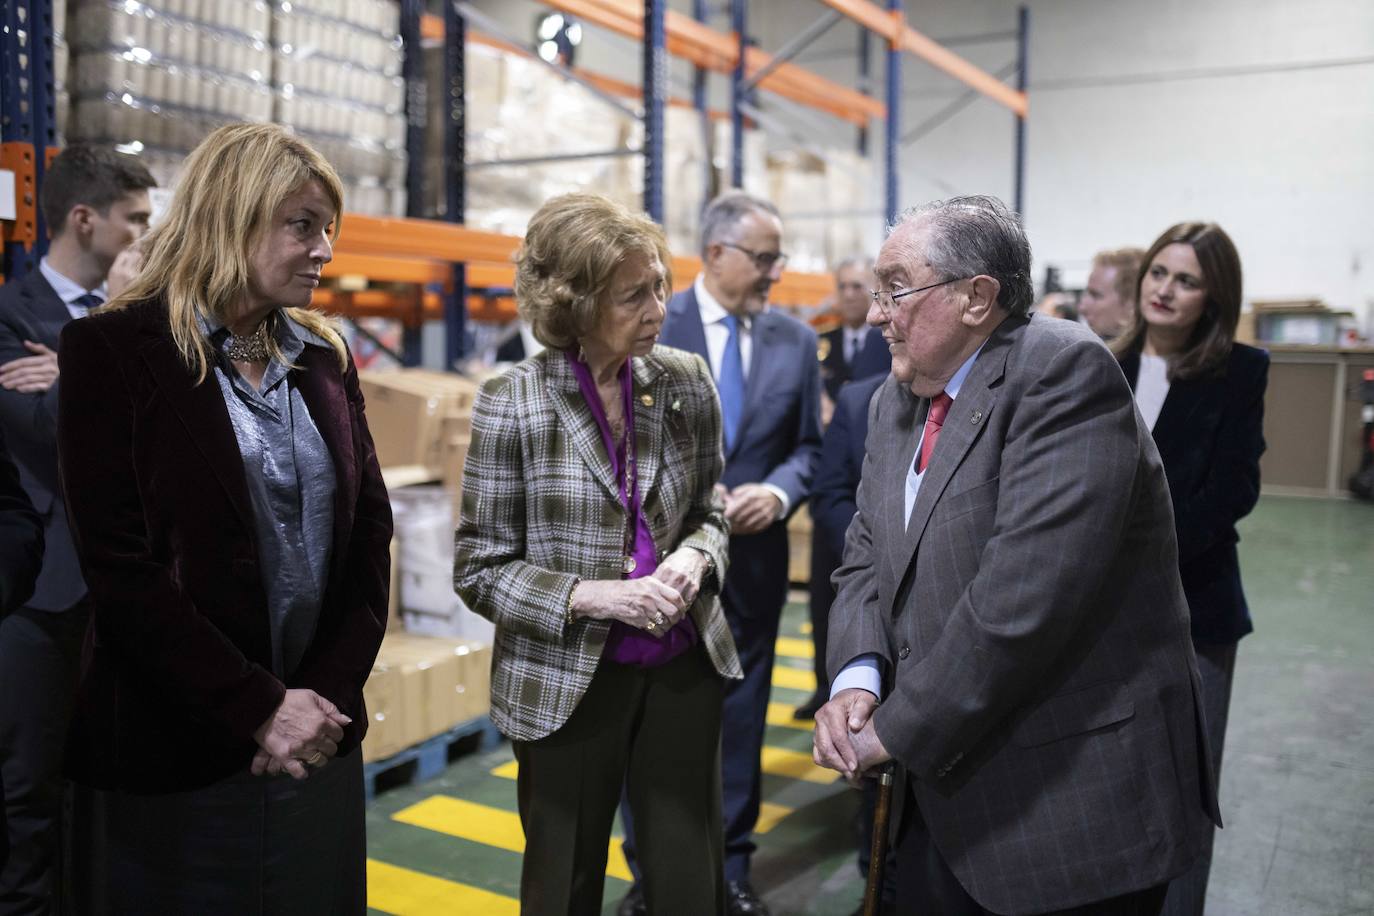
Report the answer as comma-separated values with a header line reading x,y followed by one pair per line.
x,y
877,856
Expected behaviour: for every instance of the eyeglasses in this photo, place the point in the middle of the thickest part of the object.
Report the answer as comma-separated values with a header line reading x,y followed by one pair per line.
x,y
886,301
765,261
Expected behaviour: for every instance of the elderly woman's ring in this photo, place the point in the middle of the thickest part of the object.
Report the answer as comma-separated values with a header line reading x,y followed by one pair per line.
x,y
651,626
316,759
659,619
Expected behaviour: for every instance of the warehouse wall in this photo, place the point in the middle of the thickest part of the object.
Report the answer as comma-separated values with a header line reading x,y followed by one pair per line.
x,y
1258,114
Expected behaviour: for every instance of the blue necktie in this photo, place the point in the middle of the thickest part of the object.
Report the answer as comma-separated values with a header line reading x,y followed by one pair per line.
x,y
87,302
730,384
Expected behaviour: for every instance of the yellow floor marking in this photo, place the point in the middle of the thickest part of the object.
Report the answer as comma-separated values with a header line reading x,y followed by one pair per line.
x,y
403,892
796,765
795,678
806,628
793,647
770,815
488,826
780,714
507,770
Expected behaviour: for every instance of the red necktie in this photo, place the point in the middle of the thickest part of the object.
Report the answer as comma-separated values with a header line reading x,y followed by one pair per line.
x,y
939,409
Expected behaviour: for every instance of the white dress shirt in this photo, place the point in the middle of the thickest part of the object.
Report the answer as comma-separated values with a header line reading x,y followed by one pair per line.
x,y
68,290
863,671
713,316
854,342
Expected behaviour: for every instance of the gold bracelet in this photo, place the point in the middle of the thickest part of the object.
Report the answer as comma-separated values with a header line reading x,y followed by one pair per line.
x,y
569,619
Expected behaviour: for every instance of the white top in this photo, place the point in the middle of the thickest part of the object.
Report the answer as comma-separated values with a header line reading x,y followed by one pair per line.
x,y
863,671
68,290
1151,388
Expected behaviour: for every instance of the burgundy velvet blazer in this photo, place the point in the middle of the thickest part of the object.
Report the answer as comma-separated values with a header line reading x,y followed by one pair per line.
x,y
176,674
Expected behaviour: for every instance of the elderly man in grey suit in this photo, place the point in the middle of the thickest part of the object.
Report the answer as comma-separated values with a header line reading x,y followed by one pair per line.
x,y
1010,594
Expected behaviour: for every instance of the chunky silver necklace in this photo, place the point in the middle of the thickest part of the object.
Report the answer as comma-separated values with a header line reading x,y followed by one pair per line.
x,y
250,349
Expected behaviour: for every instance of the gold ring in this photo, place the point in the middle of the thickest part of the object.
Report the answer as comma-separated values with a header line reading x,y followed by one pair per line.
x,y
317,759
651,625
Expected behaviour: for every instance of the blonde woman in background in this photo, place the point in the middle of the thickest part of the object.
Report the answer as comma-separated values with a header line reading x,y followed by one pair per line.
x,y
231,521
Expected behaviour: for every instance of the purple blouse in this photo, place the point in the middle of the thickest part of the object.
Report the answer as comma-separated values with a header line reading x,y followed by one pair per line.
x,y
626,644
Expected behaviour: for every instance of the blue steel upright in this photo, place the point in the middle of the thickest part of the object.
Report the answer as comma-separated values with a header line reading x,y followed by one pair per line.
x,y
455,183
739,20
27,94
655,97
416,105
701,14
894,111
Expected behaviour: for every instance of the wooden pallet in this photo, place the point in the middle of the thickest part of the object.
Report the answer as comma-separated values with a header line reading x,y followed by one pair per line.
x,y
427,759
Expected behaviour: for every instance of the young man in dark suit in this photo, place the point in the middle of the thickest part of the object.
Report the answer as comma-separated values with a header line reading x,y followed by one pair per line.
x,y
96,205
764,365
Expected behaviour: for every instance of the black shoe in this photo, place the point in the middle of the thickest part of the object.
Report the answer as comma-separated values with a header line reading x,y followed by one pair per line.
x,y
633,904
808,709
740,900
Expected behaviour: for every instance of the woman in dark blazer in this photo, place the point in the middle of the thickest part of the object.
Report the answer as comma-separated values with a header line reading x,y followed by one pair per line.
x,y
1203,396
592,535
232,524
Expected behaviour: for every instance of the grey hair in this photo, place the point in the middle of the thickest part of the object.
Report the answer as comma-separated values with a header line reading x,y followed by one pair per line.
x,y
728,209
855,260
978,235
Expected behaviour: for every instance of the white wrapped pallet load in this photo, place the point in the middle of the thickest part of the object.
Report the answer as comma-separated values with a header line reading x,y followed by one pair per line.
x,y
424,532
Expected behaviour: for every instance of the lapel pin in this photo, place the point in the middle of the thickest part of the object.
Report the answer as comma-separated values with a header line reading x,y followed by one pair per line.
x,y
977,415
647,400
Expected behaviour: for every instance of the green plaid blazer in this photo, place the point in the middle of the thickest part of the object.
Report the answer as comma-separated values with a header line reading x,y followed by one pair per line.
x,y
541,508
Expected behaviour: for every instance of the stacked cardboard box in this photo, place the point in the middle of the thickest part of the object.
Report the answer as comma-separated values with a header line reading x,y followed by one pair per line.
x,y
421,687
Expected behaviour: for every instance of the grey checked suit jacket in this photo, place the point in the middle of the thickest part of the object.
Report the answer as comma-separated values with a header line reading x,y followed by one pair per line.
x,y
1039,679
541,507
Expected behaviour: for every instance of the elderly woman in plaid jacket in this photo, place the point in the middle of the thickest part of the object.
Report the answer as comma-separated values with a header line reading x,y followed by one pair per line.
x,y
592,536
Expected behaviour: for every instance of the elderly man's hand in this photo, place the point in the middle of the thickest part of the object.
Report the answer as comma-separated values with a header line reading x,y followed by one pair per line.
x,y
751,507
305,727
30,374
839,724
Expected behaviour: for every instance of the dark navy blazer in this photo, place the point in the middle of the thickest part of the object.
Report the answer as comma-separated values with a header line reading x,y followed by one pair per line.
x,y
833,498
1210,435
873,358
778,442
31,310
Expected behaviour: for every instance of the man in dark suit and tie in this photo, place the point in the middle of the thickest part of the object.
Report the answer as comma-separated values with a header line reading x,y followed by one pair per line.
x,y
764,365
852,350
849,352
96,205
1010,591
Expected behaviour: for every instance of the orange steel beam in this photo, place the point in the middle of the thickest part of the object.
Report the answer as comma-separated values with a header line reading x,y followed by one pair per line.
x,y
894,28
712,50
422,238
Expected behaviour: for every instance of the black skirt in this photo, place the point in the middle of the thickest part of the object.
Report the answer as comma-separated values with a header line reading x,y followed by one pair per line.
x,y
245,846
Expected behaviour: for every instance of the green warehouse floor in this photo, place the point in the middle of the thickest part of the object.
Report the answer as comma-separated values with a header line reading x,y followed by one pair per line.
x,y
1297,783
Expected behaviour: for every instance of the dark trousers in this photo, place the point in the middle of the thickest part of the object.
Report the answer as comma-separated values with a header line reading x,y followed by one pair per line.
x,y
823,563
40,658
926,886
655,731
1216,667
743,721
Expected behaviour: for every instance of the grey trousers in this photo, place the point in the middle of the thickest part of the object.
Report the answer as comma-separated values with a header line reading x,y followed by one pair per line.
x,y
245,846
1216,666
